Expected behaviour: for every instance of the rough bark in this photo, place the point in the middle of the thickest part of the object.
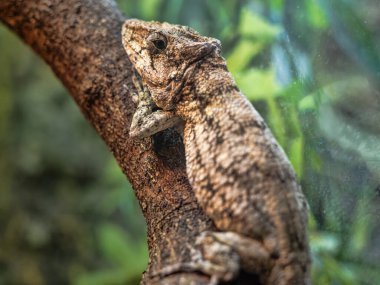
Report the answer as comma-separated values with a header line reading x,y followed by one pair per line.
x,y
80,40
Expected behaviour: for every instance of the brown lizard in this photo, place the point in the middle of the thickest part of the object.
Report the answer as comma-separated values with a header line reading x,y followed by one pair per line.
x,y
240,175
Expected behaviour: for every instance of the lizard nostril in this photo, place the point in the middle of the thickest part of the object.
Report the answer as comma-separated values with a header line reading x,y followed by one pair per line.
x,y
155,108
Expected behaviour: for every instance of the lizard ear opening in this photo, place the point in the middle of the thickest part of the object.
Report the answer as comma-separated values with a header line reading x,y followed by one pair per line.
x,y
157,41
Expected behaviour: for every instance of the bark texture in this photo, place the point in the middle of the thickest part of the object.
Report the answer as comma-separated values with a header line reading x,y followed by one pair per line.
x,y
80,40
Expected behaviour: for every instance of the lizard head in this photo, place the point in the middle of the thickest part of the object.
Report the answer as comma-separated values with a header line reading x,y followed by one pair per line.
x,y
165,56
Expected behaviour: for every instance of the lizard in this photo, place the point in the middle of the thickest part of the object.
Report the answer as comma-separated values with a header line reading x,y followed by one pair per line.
x,y
240,175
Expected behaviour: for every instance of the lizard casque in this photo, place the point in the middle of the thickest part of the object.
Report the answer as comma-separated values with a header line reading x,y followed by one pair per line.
x,y
240,175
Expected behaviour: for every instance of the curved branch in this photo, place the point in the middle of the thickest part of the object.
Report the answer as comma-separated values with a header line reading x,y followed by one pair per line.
x,y
80,40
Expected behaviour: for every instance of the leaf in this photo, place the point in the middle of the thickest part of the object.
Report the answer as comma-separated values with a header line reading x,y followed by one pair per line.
x,y
294,92
295,154
316,15
276,121
242,54
362,226
252,25
315,161
149,8
307,103
295,148
129,259
258,84
338,272
324,242
364,272
118,247
277,5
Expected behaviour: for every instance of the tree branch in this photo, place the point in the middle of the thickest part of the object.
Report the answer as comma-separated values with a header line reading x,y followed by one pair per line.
x,y
80,40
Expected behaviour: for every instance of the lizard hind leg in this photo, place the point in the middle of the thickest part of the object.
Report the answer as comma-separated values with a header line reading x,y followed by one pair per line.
x,y
221,255
210,257
253,257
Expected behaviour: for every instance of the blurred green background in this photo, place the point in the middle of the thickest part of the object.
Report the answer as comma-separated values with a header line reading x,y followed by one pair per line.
x,y
312,69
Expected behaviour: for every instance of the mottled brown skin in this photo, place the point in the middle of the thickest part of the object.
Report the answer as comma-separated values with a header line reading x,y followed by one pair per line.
x,y
240,175
80,41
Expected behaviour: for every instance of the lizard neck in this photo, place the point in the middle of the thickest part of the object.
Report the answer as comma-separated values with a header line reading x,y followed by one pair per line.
x,y
211,87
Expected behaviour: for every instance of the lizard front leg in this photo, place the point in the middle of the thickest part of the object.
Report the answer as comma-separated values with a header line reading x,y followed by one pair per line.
x,y
148,119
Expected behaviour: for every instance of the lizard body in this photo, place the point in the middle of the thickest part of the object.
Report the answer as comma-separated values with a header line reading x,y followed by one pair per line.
x,y
240,175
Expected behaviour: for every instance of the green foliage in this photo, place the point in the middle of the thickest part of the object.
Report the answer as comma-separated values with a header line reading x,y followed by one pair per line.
x,y
315,15
311,69
268,88
352,30
253,25
127,256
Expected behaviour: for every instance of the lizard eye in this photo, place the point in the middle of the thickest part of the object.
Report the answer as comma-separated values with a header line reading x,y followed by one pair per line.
x,y
159,41
160,44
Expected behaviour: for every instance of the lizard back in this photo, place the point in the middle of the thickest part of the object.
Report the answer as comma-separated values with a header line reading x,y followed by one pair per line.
x,y
240,175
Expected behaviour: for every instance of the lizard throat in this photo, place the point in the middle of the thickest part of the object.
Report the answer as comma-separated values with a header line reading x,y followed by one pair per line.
x,y
186,78
188,75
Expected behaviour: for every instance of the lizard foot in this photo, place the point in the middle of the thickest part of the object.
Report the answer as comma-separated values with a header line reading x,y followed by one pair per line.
x,y
221,255
252,253
252,256
215,259
195,266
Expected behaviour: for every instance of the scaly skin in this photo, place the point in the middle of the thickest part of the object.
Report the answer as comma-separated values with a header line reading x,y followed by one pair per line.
x,y
240,175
